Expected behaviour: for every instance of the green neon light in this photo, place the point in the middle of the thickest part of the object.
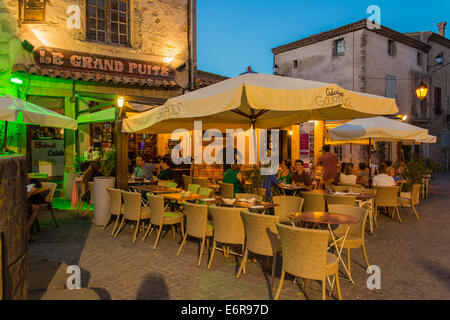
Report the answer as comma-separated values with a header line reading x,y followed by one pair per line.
x,y
16,80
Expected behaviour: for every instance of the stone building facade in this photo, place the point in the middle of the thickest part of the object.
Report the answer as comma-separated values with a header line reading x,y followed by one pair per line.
x,y
76,55
377,61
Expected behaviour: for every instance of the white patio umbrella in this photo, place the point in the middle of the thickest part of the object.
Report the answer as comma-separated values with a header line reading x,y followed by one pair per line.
x,y
262,101
377,129
18,110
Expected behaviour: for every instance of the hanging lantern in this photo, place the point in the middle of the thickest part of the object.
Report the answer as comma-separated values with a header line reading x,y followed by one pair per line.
x,y
422,91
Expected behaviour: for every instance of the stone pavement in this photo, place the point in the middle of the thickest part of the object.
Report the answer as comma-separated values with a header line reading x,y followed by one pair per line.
x,y
414,258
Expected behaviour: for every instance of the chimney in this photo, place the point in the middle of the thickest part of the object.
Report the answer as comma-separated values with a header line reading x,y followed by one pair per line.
x,y
441,27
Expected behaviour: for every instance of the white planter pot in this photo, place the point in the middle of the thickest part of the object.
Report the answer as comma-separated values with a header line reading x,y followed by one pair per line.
x,y
69,177
101,199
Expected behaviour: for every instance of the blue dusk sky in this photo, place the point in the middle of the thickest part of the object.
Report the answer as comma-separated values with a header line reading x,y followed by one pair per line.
x,y
234,34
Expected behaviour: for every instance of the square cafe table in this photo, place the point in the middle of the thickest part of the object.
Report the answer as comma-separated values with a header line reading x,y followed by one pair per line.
x,y
328,218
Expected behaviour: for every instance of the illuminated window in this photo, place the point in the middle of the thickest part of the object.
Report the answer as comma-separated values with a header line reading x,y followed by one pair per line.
x,y
32,11
108,21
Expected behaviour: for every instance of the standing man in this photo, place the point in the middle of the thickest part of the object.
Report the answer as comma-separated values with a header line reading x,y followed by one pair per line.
x,y
329,161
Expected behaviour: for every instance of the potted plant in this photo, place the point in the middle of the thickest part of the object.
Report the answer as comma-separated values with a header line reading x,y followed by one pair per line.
x,y
101,196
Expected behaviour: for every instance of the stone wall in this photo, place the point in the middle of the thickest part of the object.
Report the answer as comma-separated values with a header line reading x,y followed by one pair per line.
x,y
13,233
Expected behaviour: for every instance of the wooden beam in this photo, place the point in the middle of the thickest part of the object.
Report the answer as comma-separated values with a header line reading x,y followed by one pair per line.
x,y
135,99
96,108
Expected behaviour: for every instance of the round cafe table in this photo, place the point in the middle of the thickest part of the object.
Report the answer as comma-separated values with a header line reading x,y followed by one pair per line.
x,y
328,218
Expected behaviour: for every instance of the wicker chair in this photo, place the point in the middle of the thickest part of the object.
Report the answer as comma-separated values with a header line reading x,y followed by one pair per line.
x,y
411,200
203,182
48,205
372,213
337,199
261,237
197,226
187,180
161,218
305,255
193,188
207,192
387,197
133,211
355,236
248,196
286,206
313,201
227,190
228,229
165,183
115,207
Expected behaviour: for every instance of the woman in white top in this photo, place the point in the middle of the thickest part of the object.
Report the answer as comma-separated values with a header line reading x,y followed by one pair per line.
x,y
347,177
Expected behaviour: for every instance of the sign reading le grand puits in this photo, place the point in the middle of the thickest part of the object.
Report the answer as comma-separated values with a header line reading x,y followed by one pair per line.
x,y
82,61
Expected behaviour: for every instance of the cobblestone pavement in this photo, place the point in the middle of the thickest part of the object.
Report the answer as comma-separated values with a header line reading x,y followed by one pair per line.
x,y
414,258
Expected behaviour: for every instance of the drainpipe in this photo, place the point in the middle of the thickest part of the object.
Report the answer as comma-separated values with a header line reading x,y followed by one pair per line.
x,y
192,42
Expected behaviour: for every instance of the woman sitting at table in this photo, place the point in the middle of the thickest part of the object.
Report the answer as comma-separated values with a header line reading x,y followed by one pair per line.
x,y
391,172
234,177
166,172
285,172
347,176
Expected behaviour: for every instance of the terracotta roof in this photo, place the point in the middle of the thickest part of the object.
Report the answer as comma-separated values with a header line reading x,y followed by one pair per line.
x,y
92,77
362,24
431,37
205,79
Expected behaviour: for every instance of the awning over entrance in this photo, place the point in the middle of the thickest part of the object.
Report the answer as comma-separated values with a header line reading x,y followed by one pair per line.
x,y
108,115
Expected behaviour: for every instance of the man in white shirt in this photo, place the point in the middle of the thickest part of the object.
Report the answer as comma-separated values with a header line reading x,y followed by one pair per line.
x,y
382,179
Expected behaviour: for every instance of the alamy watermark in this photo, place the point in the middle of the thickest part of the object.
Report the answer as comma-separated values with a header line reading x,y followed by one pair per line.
x,y
213,153
374,21
374,280
74,280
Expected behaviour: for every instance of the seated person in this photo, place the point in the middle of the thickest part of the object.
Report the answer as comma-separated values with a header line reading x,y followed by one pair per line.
x,y
363,174
391,173
33,209
285,172
233,176
300,177
166,172
382,179
268,182
347,176
143,170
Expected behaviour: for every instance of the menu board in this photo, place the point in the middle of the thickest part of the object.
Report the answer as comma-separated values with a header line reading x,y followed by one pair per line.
x,y
48,156
304,149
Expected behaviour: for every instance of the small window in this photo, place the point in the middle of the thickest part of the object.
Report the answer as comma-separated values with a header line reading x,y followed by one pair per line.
x,y
419,58
391,90
437,100
108,21
392,50
339,47
295,64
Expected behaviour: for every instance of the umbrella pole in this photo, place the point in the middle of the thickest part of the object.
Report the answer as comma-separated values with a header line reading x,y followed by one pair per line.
x,y
370,163
4,137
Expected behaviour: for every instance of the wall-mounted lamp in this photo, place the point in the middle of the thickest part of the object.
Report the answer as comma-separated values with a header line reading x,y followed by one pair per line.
x,y
120,101
182,67
167,59
27,46
276,69
422,91
16,80
291,133
405,117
